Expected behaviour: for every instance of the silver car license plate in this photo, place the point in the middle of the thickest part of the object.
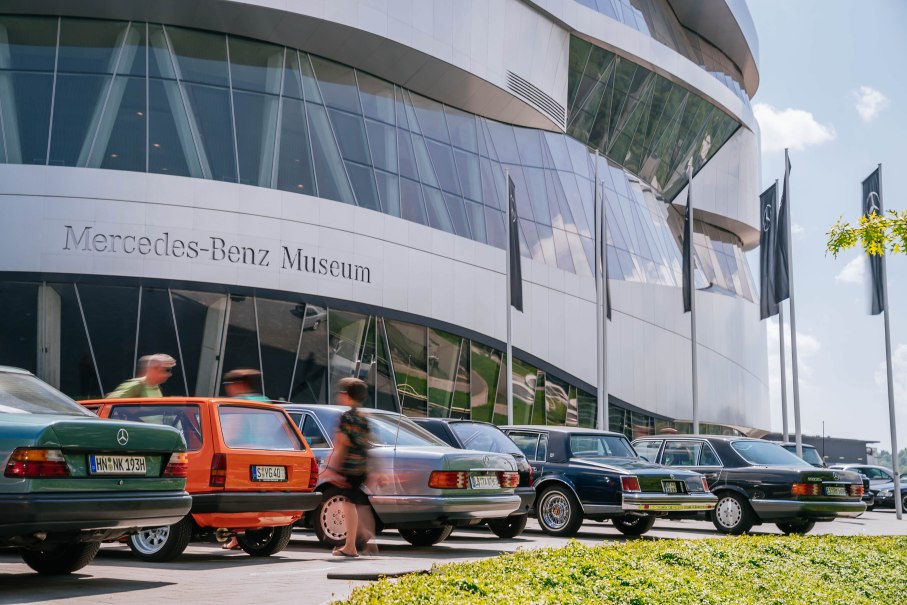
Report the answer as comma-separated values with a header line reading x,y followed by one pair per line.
x,y
269,473
484,482
835,490
117,465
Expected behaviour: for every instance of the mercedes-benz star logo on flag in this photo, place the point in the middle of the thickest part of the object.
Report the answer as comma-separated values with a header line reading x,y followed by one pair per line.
x,y
873,202
767,218
122,437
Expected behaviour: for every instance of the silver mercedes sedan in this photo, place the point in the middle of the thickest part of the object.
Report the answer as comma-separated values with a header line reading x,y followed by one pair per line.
x,y
416,484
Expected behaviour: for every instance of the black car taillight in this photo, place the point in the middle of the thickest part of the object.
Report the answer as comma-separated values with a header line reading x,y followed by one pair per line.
x,y
218,471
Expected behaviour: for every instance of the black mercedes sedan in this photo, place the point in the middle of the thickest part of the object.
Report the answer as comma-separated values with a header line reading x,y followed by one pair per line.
x,y
588,474
759,482
486,437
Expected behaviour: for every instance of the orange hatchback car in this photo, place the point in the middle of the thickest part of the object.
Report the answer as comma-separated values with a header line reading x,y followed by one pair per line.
x,y
251,473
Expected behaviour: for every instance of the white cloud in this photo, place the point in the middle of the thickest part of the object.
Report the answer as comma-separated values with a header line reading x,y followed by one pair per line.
x,y
796,229
807,348
869,102
853,272
790,128
899,373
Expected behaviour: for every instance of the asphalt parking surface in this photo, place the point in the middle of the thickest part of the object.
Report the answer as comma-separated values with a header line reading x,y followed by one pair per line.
x,y
307,573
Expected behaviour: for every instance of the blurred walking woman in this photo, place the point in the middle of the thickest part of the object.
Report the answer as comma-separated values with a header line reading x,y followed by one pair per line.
x,y
350,461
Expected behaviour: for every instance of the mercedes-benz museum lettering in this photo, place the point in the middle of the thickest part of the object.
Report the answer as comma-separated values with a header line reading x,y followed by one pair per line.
x,y
316,190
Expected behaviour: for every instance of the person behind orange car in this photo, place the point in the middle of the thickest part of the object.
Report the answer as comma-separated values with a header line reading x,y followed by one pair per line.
x,y
153,371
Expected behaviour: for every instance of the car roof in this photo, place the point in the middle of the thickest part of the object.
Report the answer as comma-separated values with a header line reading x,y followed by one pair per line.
x,y
454,421
560,429
332,407
794,443
13,370
726,438
175,401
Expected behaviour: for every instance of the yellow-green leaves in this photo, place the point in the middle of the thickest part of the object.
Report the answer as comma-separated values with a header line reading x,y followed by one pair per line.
x,y
876,234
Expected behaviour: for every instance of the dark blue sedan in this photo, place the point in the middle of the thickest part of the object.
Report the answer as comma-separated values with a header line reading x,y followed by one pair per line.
x,y
588,474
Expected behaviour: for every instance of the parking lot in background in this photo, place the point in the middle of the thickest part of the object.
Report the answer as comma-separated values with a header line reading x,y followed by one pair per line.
x,y
307,573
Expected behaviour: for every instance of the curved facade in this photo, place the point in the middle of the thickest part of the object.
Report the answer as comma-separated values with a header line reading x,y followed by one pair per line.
x,y
318,192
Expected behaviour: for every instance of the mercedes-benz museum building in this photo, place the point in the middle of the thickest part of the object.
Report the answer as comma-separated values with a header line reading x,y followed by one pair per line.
x,y
315,189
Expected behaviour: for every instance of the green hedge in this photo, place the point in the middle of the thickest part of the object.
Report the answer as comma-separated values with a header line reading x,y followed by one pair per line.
x,y
742,570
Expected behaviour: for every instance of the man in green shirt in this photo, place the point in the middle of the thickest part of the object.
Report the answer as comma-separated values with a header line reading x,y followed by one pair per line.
x,y
153,371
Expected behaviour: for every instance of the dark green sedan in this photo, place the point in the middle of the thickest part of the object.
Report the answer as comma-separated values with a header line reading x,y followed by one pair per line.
x,y
72,480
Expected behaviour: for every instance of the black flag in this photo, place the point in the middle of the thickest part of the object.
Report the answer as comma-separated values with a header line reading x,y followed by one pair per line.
x,y
872,202
516,270
688,249
767,304
782,240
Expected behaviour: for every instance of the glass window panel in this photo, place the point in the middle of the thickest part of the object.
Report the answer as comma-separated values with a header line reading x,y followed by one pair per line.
x,y
408,348
504,143
430,115
492,184
90,45
292,78
201,56
580,263
442,162
351,136
241,347
557,145
377,97
279,325
587,408
426,171
199,321
78,377
389,192
255,65
538,405
157,334
310,86
457,213
494,228
524,383
363,181
532,240
310,381
337,83
468,171
462,128
407,157
295,171
579,157
160,59
572,408
31,43
529,146
347,334
111,314
171,148
557,398
562,249
329,171
443,364
26,120
476,214
537,192
546,239
368,365
521,192
211,109
120,140
437,210
385,388
383,143
77,106
485,364
256,129
411,205
19,325
461,398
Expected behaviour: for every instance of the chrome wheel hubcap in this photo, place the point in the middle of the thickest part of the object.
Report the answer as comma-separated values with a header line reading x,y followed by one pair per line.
x,y
728,512
149,541
555,511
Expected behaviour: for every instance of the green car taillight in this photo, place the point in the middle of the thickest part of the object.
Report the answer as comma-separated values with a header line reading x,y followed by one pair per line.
x,y
30,463
178,466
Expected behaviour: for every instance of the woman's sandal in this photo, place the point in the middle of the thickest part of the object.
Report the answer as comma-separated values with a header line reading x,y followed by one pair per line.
x,y
337,552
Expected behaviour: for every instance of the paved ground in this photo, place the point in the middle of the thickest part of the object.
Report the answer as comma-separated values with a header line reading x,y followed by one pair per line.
x,y
307,573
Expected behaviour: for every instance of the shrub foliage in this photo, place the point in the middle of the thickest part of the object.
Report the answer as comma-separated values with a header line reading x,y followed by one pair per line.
x,y
776,570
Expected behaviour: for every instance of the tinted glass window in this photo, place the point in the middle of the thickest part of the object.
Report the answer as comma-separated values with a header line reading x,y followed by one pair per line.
x,y
812,456
184,418
761,452
312,433
542,453
708,457
681,453
389,429
596,446
257,429
648,449
484,438
527,442
25,394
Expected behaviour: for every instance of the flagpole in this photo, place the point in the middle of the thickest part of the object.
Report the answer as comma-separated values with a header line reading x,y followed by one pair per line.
x,y
891,413
509,310
601,392
606,305
793,315
785,428
694,360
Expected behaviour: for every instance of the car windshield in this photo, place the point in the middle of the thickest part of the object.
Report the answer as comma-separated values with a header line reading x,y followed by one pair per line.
x,y
763,452
249,428
598,446
811,455
26,394
484,438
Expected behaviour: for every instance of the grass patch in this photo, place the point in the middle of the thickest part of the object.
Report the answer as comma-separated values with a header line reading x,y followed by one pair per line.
x,y
776,570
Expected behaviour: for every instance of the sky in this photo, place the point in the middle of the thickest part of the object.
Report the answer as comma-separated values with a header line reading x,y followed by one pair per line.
x,y
832,89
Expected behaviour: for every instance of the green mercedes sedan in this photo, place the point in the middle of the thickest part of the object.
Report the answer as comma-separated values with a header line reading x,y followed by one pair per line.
x,y
71,480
